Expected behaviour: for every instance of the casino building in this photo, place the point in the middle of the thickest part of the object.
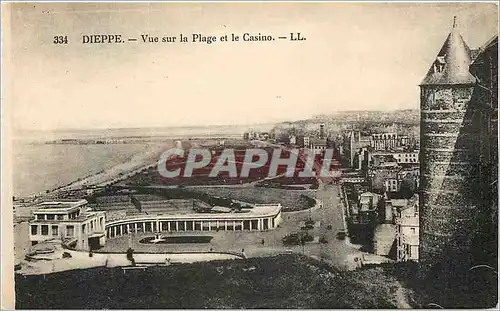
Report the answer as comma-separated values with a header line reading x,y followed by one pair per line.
x,y
260,217
71,221
82,228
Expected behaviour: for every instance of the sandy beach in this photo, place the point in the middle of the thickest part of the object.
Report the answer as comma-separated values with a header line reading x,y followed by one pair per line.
x,y
121,171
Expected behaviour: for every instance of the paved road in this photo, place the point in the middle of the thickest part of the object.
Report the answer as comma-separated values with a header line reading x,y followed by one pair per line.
x,y
337,252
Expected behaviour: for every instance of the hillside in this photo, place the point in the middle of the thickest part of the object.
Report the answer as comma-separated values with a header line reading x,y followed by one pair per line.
x,y
287,281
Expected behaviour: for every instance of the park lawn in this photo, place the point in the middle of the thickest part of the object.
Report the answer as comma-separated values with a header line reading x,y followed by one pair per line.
x,y
290,200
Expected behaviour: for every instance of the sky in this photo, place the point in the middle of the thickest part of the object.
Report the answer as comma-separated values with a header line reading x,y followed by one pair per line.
x,y
364,56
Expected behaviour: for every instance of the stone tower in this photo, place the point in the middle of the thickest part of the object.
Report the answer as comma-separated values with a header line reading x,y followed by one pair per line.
x,y
447,149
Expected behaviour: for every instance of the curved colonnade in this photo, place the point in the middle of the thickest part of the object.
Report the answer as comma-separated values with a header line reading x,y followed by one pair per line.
x,y
261,217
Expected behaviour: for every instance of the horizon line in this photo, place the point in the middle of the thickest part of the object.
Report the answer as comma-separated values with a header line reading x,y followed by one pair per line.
x,y
19,129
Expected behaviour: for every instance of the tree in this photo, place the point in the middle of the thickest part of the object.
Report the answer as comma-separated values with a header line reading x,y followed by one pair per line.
x,y
377,183
408,186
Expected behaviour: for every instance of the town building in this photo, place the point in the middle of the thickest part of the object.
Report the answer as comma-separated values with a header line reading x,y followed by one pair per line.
x,y
317,145
391,185
377,158
384,177
361,159
400,157
396,233
385,168
71,221
392,142
366,209
353,177
406,218
404,140
303,141
306,142
384,141
407,157
354,142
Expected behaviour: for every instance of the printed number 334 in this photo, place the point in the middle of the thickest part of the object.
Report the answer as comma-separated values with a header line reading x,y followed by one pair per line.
x,y
60,40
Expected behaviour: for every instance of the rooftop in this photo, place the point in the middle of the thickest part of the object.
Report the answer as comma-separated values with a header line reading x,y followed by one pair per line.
x,y
399,202
318,141
451,66
479,59
388,165
368,194
60,206
258,210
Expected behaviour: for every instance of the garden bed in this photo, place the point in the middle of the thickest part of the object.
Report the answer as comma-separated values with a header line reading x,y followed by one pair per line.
x,y
179,239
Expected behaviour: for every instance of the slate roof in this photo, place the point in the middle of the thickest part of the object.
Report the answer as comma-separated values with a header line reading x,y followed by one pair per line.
x,y
488,45
451,66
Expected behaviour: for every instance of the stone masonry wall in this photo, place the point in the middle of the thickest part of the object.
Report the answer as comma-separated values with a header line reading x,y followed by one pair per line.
x,y
447,151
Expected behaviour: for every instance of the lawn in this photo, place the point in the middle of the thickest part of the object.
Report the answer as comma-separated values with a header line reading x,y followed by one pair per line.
x,y
290,200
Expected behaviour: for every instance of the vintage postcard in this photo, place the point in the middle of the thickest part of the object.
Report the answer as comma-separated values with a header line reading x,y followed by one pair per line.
x,y
276,155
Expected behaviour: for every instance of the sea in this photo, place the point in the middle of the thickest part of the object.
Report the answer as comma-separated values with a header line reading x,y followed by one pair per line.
x,y
38,166
41,167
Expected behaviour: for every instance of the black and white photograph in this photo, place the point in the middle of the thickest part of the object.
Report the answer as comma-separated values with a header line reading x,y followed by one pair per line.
x,y
249,155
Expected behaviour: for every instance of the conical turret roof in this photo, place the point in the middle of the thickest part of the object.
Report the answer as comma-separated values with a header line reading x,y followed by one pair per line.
x,y
452,63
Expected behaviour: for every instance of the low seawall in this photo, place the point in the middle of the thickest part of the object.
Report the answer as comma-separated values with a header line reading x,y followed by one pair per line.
x,y
82,260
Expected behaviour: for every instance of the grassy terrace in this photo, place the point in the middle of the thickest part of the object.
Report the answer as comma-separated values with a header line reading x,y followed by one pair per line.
x,y
286,281
290,200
